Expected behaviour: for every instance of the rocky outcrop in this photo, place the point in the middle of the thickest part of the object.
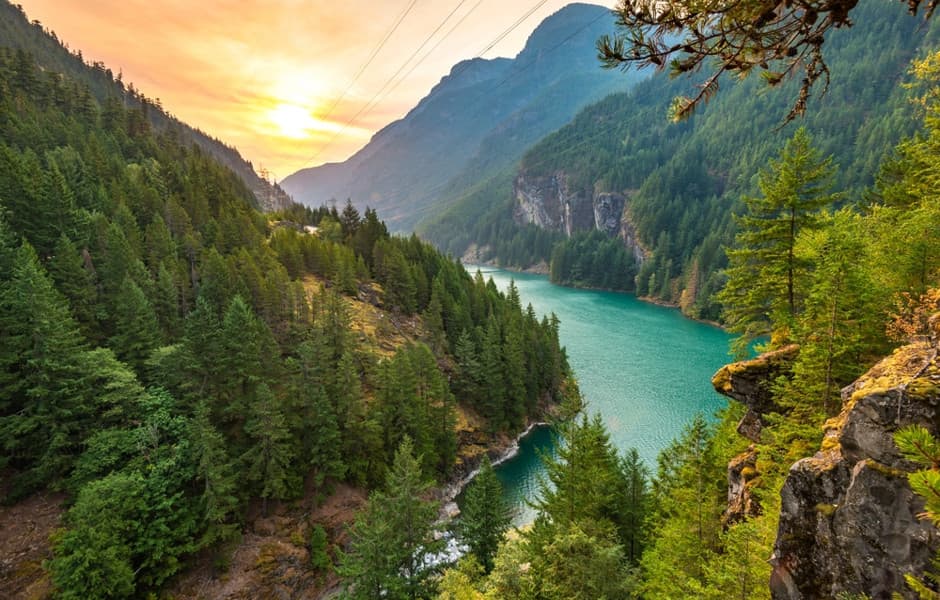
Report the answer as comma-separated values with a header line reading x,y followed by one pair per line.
x,y
550,202
749,383
849,522
742,471
608,211
547,201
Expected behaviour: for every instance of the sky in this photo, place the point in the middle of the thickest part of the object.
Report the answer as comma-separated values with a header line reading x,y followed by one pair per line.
x,y
278,78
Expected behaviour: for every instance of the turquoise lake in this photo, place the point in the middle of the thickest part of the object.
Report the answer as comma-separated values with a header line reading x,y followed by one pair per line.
x,y
645,368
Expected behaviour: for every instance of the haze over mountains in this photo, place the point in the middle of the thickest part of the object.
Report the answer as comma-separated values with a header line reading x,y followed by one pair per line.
x,y
483,114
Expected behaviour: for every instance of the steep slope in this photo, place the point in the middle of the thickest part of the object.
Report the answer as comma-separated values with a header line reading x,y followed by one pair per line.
x,y
47,50
680,181
479,117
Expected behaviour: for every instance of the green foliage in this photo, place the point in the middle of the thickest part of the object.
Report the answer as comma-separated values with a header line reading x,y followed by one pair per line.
x,y
767,279
920,447
393,536
116,231
484,517
320,559
593,260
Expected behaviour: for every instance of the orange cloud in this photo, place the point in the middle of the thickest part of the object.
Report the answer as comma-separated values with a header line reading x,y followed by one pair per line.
x,y
263,74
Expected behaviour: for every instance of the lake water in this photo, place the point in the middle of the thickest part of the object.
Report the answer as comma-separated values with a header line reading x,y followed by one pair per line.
x,y
646,369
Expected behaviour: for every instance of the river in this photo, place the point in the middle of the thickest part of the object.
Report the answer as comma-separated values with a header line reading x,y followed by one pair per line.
x,y
645,368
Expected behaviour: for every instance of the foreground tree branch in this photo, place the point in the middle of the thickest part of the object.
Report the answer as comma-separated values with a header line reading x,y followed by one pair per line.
x,y
778,38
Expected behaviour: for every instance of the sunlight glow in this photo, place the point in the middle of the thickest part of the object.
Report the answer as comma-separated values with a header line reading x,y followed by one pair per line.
x,y
293,121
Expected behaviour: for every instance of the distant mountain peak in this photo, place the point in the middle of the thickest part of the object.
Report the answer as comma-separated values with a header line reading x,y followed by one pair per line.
x,y
480,116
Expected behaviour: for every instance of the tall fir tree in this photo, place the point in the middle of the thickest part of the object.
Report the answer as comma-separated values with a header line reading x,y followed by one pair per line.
x,y
394,537
766,285
269,459
136,332
485,516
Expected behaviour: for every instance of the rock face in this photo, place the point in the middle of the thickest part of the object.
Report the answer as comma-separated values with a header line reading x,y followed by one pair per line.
x,y
748,382
550,202
849,520
741,503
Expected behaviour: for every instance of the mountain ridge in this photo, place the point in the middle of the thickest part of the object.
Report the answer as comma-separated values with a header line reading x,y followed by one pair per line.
x,y
478,100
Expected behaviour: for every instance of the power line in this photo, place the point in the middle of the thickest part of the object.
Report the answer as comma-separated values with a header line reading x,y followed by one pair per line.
x,y
431,51
512,27
365,65
388,81
368,108
479,54
486,49
552,49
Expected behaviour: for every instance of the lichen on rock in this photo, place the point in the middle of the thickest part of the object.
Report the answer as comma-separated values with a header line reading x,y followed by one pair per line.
x,y
849,522
749,382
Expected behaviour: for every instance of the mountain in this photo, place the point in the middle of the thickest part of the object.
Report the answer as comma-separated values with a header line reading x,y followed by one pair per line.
x,y
672,187
480,117
16,31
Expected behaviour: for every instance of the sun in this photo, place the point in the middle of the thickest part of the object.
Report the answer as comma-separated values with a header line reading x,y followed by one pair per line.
x,y
293,121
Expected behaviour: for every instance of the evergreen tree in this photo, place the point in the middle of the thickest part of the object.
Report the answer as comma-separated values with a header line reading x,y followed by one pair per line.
x,y
215,471
484,517
635,498
494,393
136,332
269,458
394,537
166,302
766,284
53,391
75,282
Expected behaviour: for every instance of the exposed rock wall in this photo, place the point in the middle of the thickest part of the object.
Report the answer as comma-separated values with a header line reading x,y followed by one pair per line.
x,y
849,520
550,202
749,381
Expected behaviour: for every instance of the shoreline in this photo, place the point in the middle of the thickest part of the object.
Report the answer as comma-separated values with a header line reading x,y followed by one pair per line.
x,y
537,270
449,492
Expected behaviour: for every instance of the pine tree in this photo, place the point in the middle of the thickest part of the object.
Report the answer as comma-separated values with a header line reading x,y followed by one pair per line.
x,y
215,471
75,282
166,302
325,446
484,517
469,380
394,537
766,284
136,332
53,391
268,461
635,498
584,483
494,394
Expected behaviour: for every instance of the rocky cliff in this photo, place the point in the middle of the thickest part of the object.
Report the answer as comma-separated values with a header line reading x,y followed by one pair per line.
x,y
552,202
849,522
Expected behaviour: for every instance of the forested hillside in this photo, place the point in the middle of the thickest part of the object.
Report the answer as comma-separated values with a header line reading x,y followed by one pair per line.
x,y
172,357
683,181
49,52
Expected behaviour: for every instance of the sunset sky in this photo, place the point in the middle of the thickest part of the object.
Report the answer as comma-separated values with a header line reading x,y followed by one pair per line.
x,y
268,76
